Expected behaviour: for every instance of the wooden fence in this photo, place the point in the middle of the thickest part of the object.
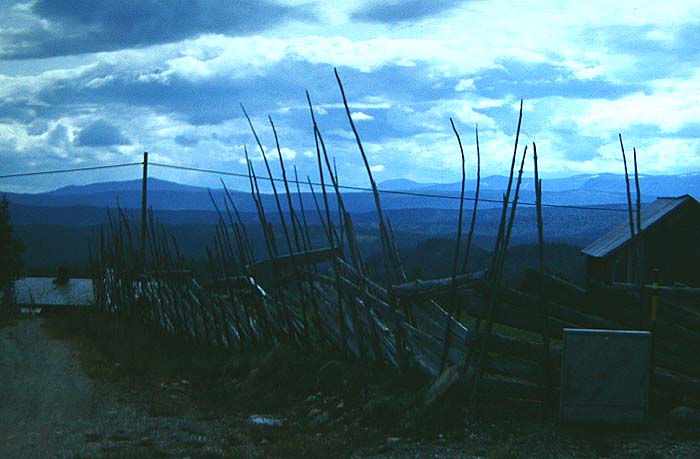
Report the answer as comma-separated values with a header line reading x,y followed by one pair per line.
x,y
322,297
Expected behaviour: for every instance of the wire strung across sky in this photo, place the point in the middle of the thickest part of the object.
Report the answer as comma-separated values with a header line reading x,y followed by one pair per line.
x,y
396,192
345,187
75,169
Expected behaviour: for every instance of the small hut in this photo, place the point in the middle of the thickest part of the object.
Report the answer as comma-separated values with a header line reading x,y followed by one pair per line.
x,y
668,242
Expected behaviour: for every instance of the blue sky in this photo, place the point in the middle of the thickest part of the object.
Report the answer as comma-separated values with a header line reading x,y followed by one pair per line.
x,y
86,83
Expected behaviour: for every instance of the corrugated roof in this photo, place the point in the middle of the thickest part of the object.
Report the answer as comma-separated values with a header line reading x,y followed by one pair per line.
x,y
620,235
42,291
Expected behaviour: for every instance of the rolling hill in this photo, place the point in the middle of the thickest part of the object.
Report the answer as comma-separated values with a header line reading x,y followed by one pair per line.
x,y
58,226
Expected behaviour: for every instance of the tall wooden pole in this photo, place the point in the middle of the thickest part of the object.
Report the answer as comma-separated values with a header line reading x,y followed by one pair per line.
x,y
544,307
144,204
631,262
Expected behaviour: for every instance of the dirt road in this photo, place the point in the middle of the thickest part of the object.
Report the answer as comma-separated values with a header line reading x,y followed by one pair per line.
x,y
45,400
50,409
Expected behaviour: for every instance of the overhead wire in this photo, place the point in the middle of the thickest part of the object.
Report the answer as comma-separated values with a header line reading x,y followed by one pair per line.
x,y
277,179
74,169
394,192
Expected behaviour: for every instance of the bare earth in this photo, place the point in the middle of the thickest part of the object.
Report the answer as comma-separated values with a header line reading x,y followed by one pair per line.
x,y
50,409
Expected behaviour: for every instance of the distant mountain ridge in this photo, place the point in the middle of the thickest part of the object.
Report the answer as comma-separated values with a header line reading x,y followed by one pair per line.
x,y
579,190
652,185
154,184
57,226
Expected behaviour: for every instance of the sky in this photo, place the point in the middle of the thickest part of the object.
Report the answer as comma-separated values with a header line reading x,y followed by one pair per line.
x,y
89,83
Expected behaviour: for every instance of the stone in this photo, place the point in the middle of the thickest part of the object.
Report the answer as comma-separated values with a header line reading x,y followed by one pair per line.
x,y
321,419
266,421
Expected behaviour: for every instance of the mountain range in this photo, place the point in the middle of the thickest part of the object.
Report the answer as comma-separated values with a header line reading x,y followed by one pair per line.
x,y
57,226
578,190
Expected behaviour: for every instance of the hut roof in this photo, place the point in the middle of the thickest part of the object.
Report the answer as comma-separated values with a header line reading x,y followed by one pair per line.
x,y
620,235
42,291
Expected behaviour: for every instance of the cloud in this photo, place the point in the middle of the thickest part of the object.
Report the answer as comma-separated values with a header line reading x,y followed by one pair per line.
x,y
673,49
668,109
361,116
464,84
84,26
582,83
101,134
402,11
59,136
532,80
186,140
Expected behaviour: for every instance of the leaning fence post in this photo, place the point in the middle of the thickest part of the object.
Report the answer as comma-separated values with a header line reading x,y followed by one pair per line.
x,y
652,325
544,311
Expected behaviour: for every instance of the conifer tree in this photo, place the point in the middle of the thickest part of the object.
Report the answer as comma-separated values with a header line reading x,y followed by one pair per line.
x,y
10,248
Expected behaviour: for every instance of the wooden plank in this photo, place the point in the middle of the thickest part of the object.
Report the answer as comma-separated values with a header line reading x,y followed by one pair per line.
x,y
515,317
418,288
310,257
522,349
569,315
431,318
684,292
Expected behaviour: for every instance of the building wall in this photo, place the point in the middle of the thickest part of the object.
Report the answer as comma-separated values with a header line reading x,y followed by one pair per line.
x,y
672,246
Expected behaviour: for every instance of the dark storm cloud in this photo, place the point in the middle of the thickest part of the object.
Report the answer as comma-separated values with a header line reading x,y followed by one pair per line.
x,y
199,102
38,127
84,26
186,140
402,11
101,134
21,110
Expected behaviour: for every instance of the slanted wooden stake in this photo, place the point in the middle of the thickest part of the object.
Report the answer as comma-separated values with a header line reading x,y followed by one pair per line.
x,y
639,194
641,274
495,256
472,225
631,262
496,282
393,257
540,287
455,261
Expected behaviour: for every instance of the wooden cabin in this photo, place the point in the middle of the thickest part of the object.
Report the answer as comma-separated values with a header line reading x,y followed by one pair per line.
x,y
669,241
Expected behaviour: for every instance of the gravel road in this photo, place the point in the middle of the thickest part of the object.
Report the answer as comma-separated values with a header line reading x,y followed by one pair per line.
x,y
45,401
50,409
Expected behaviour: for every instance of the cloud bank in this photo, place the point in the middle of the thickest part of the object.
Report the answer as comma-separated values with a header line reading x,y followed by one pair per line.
x,y
99,83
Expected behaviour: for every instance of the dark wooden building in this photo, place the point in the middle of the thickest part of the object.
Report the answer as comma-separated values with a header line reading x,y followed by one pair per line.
x,y
669,241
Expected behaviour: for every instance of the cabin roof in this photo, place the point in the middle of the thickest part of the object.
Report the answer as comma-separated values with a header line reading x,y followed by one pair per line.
x,y
620,235
42,291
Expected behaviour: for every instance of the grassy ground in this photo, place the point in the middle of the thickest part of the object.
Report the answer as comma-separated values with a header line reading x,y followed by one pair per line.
x,y
7,319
